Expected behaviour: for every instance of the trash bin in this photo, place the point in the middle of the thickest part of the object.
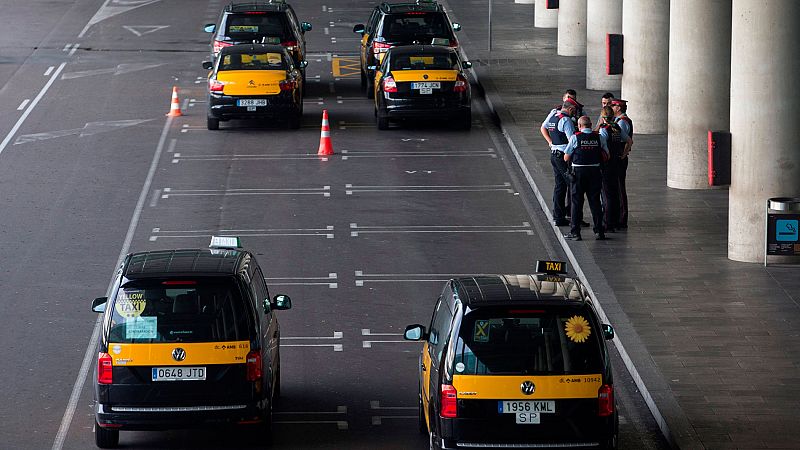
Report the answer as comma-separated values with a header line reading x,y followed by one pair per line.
x,y
782,227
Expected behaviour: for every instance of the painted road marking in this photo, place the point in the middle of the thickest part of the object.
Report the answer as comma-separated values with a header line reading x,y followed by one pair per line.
x,y
364,278
89,129
169,192
305,281
158,233
23,104
49,71
368,344
351,189
140,30
449,229
119,70
111,8
336,336
346,154
245,157
342,425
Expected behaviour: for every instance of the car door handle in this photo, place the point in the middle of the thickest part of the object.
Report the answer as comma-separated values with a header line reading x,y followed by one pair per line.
x,y
422,365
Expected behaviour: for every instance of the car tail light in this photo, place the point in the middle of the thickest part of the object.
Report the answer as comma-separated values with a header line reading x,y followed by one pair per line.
x,y
605,400
380,47
105,368
453,44
287,85
389,85
461,84
449,401
218,45
215,85
254,366
179,282
255,12
290,45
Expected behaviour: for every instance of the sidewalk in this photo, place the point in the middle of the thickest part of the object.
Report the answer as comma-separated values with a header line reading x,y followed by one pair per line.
x,y
715,343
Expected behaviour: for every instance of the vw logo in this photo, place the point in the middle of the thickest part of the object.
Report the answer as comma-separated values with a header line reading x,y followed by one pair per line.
x,y
425,77
527,387
179,354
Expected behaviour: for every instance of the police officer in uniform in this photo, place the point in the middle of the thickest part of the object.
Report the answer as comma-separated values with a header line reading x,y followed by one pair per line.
x,y
625,123
586,150
556,129
611,194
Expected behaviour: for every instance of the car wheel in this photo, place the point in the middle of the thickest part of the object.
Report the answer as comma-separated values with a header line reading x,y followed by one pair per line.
x,y
383,122
295,120
212,123
105,437
363,80
466,120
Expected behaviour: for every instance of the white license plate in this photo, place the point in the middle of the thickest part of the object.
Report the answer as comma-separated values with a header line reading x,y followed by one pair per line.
x,y
526,406
252,102
179,373
426,85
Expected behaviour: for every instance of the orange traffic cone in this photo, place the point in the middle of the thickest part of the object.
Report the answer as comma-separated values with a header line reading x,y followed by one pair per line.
x,y
175,106
325,147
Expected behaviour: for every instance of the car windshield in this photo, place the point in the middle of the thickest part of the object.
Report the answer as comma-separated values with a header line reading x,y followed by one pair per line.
x,y
410,27
252,61
251,27
179,311
424,62
516,342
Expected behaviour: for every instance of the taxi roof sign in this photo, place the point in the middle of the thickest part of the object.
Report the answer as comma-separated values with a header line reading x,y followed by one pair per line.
x,y
551,267
225,242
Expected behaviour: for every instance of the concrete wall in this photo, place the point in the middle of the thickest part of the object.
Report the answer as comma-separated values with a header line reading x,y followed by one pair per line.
x,y
572,28
603,17
543,17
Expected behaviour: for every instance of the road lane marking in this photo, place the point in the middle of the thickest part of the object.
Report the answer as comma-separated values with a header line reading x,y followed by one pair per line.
x,y
154,199
450,229
158,233
376,404
89,129
74,48
304,281
120,69
363,278
172,143
89,357
336,335
107,11
246,157
32,105
378,420
22,105
325,191
346,154
350,189
49,71
336,347
140,30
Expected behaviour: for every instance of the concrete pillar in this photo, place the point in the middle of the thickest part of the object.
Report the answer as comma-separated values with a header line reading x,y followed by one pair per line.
x,y
543,17
765,135
603,17
699,86
572,28
645,26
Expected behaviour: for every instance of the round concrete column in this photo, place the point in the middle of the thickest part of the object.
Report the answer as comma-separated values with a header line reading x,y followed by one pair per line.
x,y
699,86
572,28
603,17
765,139
645,26
543,17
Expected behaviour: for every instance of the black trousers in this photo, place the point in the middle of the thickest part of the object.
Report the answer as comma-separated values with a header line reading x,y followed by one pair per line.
x,y
611,193
561,186
622,169
588,181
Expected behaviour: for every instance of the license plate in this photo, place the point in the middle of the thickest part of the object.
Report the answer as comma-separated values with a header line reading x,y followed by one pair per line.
x,y
426,86
526,406
252,102
528,418
251,108
179,373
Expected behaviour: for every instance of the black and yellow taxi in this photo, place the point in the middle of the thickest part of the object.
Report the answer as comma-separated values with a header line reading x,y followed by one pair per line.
x,y
401,23
516,361
189,338
423,82
254,81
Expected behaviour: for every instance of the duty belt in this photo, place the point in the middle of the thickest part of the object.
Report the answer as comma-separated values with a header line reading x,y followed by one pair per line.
x,y
557,152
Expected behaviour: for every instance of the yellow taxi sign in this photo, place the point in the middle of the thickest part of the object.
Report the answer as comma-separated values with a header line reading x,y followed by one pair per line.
x,y
551,267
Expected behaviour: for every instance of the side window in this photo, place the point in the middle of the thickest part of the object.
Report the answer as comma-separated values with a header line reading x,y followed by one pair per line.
x,y
260,287
440,323
373,20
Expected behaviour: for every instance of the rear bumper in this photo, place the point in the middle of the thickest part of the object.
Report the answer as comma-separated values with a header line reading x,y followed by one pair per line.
x,y
224,107
124,417
426,108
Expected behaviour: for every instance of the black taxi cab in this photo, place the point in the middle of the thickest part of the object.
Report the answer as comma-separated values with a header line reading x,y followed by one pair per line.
x,y
516,361
189,338
423,82
254,81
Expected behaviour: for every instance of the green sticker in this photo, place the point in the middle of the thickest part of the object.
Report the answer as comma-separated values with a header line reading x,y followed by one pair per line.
x,y
141,328
481,333
130,303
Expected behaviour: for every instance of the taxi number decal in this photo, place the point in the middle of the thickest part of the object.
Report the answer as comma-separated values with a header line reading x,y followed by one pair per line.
x,y
141,328
130,303
481,331
243,28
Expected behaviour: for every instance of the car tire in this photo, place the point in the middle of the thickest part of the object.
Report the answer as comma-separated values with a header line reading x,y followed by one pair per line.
x,y
212,123
363,80
465,121
105,437
383,122
295,120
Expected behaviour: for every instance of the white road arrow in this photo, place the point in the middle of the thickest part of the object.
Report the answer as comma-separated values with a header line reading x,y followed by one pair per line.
x,y
87,130
139,30
112,8
119,70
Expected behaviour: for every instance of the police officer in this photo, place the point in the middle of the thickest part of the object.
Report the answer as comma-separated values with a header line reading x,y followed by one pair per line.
x,y
556,130
611,194
586,150
625,123
605,100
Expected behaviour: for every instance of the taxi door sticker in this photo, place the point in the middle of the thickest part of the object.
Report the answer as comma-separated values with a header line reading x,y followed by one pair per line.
x,y
577,329
130,303
481,333
141,328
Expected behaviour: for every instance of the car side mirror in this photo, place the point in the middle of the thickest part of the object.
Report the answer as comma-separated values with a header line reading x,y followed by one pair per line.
x,y
99,304
209,28
414,332
456,27
282,302
303,64
266,305
305,26
207,65
467,64
359,28
372,67
608,332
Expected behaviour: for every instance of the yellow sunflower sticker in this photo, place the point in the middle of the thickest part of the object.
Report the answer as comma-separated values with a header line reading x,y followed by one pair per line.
x,y
578,329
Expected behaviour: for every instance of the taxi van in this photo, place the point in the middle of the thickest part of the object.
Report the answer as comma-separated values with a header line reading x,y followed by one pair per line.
x,y
423,82
516,361
254,81
189,338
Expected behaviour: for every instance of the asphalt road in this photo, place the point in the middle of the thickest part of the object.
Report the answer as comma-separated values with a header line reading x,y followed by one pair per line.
x,y
90,168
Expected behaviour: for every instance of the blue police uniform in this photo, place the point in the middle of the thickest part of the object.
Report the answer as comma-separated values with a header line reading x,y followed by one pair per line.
x,y
610,171
626,132
559,126
587,150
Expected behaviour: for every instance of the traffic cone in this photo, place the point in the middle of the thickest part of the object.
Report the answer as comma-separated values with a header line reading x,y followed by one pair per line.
x,y
325,147
175,106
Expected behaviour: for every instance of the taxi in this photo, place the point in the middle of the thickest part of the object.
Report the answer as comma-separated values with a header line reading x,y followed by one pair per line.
x,y
516,361
423,82
189,338
254,81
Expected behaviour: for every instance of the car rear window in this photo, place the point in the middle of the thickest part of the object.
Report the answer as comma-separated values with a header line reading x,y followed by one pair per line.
x,y
422,27
424,62
516,342
180,311
252,61
250,27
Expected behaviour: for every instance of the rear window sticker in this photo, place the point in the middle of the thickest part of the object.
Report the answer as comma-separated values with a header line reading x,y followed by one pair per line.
x,y
141,328
577,329
116,349
130,303
481,333
460,367
243,29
